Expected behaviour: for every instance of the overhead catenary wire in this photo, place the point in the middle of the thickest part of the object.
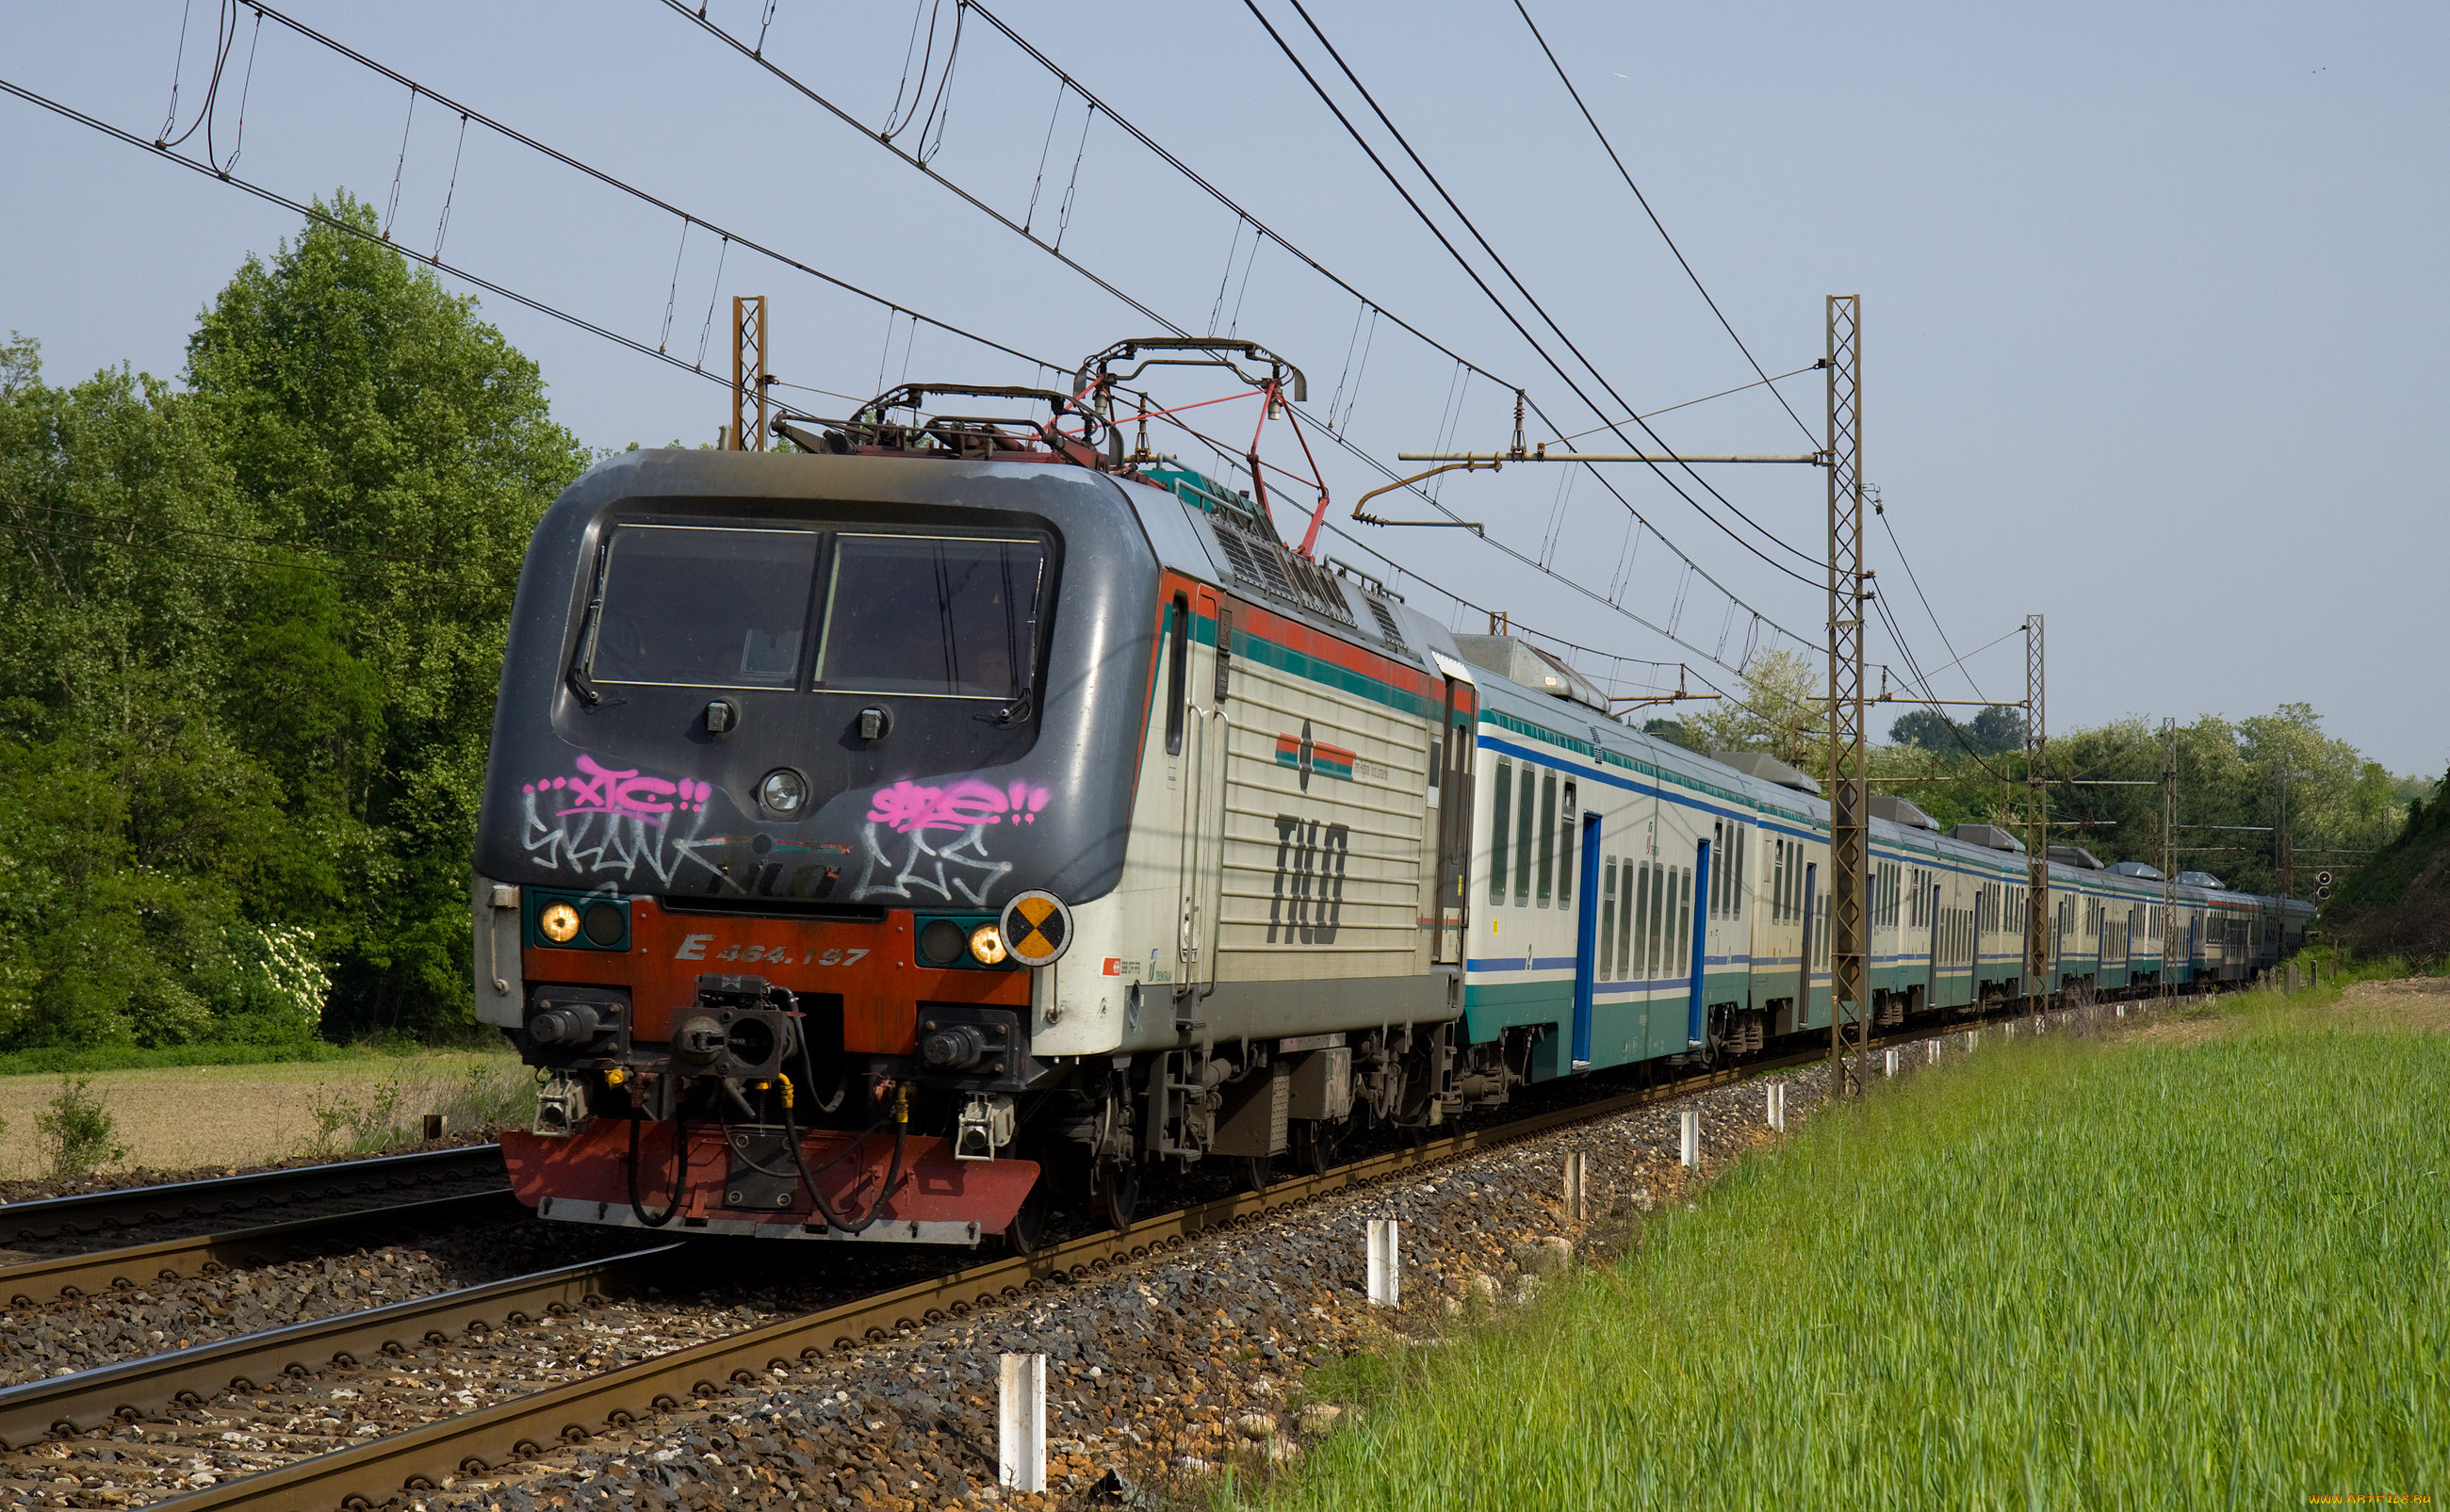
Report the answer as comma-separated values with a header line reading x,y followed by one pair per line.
x,y
322,217
1657,224
601,176
1259,226
1519,286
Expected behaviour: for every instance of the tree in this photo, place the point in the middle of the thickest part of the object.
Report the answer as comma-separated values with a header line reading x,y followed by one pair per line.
x,y
1775,709
370,419
249,639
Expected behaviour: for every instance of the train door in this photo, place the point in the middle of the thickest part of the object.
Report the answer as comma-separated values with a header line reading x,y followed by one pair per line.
x,y
1198,730
1696,1028
1452,750
1939,931
1586,933
1810,942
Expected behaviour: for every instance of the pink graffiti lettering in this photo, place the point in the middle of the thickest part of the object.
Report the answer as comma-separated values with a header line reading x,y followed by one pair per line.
x,y
599,789
908,809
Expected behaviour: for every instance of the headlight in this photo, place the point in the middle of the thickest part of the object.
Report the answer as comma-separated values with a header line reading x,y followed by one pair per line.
x,y
606,924
559,922
782,792
987,945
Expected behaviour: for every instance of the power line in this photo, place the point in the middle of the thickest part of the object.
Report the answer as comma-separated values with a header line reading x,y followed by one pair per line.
x,y
688,218
1259,229
1879,510
1501,265
1645,201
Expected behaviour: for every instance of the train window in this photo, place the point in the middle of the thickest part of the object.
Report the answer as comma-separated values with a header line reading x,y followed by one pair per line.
x,y
1547,834
1570,820
1177,667
1525,800
1607,914
1719,872
698,607
1654,899
1624,921
1739,837
1500,813
932,616
1680,883
1777,881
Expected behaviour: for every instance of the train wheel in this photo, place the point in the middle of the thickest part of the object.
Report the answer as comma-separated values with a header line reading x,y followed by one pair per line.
x,y
1315,1143
1259,1171
1119,1192
1028,1229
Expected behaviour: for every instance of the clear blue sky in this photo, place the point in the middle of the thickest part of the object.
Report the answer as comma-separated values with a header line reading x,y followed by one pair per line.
x,y
2153,297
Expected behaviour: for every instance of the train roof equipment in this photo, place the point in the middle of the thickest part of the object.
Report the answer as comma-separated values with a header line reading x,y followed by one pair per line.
x,y
1768,768
1521,662
2134,868
1900,811
2075,856
1990,837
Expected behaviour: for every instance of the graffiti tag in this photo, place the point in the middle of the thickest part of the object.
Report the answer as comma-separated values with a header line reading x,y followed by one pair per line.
x,y
907,807
602,821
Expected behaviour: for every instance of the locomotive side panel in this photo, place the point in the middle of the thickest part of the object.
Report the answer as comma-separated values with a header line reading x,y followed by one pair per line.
x,y
1326,861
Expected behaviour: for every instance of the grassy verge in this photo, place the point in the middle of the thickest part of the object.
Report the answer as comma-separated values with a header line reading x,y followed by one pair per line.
x,y
2199,1269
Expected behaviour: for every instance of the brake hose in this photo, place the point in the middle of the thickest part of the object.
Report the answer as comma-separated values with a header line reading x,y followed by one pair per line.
x,y
893,1171
680,1175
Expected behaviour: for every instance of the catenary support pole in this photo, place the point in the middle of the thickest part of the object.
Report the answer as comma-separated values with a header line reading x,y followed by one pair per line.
x,y
1850,588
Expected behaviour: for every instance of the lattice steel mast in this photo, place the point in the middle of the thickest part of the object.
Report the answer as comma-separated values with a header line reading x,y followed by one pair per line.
x,y
748,372
2169,850
1849,806
2038,923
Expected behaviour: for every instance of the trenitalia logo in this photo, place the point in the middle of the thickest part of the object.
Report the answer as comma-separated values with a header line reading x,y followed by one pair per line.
x,y
1306,755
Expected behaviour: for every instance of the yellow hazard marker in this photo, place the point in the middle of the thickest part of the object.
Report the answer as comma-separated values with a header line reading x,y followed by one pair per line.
x,y
1037,928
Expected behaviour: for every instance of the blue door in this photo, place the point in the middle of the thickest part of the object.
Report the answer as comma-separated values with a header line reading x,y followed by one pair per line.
x,y
1587,927
1695,1034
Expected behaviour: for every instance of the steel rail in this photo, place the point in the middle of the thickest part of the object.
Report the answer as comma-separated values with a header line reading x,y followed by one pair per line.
x,y
133,1389
88,1211
32,1283
365,1475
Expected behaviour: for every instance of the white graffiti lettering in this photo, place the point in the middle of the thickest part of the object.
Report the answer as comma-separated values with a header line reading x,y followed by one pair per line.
x,y
963,868
598,842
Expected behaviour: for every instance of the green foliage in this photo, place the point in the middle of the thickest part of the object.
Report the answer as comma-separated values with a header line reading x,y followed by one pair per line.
x,y
250,638
2000,727
2062,1273
77,1133
1774,711
2399,903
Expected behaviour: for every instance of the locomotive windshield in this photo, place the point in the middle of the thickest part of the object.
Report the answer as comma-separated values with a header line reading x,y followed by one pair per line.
x,y
705,607
933,616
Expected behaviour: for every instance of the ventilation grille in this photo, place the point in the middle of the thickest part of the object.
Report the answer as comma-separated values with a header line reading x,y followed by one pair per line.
x,y
1269,568
1388,629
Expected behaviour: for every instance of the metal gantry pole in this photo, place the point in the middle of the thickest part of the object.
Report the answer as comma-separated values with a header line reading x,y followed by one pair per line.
x,y
2037,796
749,374
2169,850
1849,806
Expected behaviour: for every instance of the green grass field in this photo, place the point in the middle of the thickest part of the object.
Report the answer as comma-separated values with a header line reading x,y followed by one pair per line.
x,y
2206,1265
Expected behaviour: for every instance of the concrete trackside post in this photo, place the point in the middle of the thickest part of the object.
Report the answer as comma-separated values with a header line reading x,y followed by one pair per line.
x,y
1386,1264
1021,1423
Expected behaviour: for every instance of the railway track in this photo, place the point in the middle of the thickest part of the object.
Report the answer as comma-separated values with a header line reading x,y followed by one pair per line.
x,y
33,1282
614,1400
96,1213
421,1457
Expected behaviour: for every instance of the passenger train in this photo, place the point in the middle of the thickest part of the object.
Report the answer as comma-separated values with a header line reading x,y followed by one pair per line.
x,y
888,839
